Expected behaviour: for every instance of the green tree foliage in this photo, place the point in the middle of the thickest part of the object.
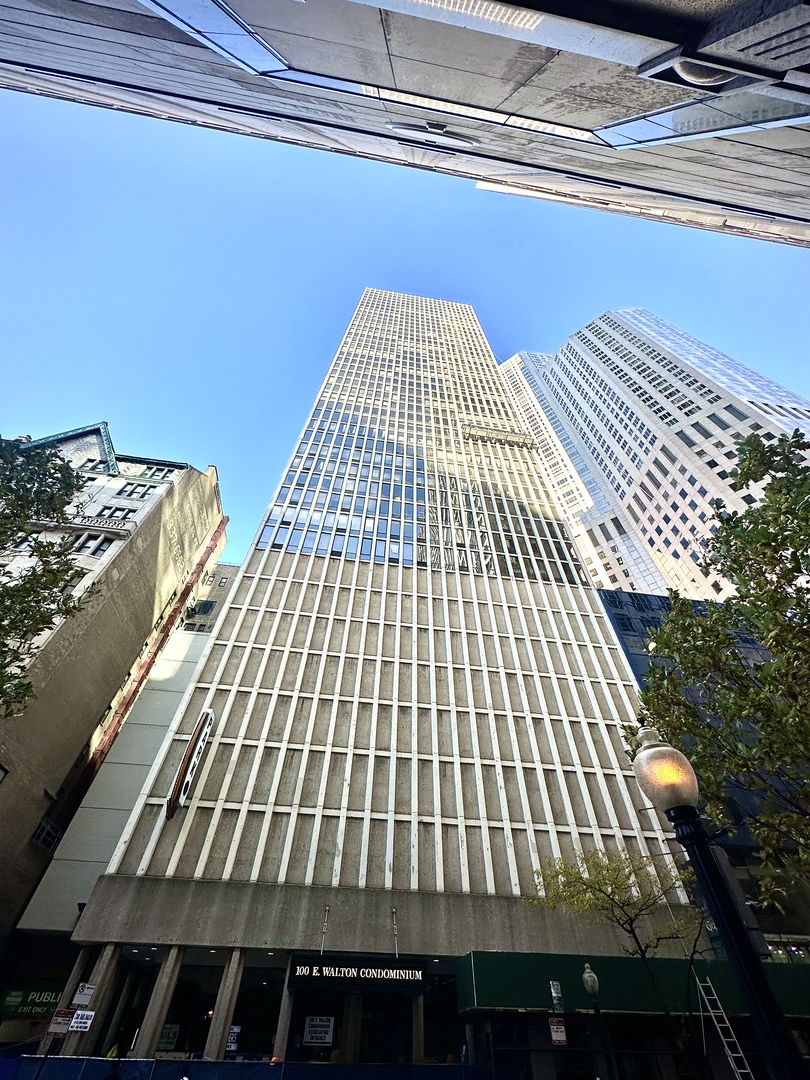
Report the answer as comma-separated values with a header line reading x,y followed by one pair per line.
x,y
625,890
744,721
36,486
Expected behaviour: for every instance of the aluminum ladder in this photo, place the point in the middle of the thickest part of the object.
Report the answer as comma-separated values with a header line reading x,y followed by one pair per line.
x,y
736,1058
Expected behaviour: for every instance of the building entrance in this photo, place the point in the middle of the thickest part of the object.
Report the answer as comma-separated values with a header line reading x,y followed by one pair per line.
x,y
386,1029
355,1009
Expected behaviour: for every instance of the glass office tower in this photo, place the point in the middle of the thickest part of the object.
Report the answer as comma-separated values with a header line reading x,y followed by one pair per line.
x,y
648,418
412,699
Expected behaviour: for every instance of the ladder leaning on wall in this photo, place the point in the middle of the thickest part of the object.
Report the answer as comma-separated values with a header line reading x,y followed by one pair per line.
x,y
736,1058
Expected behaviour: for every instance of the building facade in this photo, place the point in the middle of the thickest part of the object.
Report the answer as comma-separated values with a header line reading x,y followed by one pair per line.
x,y
689,113
45,954
646,418
410,702
145,532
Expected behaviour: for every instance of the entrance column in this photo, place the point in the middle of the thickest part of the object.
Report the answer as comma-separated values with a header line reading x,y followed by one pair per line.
x,y
155,1018
223,1010
67,994
80,1043
284,1017
352,1020
418,1055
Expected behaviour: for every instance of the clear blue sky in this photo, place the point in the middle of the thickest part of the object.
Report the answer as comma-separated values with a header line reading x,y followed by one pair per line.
x,y
191,287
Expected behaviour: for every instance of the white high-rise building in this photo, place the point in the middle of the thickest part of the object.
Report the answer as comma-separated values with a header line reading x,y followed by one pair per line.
x,y
645,419
412,699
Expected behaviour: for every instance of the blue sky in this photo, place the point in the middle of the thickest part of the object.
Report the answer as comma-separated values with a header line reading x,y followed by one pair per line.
x,y
191,287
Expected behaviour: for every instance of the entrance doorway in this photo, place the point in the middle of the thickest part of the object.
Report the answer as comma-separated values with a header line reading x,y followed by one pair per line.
x,y
386,1029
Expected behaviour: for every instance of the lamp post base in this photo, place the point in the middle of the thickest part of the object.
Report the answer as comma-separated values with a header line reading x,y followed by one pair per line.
x,y
776,1042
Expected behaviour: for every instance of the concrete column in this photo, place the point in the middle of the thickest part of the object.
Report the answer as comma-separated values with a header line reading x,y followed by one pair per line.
x,y
226,1003
46,1043
352,1019
155,1017
284,1017
418,1029
469,1035
81,1043
120,1007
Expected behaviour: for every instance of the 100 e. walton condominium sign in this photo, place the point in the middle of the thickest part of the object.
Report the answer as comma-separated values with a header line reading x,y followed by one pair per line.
x,y
355,971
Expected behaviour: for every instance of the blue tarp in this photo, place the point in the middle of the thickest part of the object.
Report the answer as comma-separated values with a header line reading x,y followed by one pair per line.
x,y
83,1068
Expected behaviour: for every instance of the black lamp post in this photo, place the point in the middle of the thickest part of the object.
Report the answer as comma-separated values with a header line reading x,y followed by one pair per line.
x,y
667,778
591,984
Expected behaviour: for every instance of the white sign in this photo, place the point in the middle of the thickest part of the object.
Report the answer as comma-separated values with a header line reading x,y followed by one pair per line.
x,y
233,1036
168,1037
558,1037
83,994
318,1030
60,1023
82,1019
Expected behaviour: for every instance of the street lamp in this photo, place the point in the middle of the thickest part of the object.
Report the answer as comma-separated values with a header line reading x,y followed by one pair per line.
x,y
667,778
591,984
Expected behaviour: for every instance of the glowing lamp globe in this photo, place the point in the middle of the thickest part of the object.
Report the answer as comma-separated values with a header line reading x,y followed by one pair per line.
x,y
663,773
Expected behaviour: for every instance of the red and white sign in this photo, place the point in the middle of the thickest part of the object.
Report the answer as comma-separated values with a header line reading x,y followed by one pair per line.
x,y
60,1023
558,1036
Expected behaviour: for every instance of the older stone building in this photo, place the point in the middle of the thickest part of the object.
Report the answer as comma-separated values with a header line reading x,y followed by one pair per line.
x,y
146,532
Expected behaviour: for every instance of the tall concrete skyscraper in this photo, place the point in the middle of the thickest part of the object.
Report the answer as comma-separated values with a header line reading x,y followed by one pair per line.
x,y
645,418
412,699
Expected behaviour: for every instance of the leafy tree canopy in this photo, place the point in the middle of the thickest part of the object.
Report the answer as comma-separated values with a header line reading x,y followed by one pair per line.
x,y
626,890
743,717
36,487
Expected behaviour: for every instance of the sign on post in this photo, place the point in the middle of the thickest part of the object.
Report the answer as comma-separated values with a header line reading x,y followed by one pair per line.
x,y
60,1023
233,1037
82,1019
318,1030
558,1036
556,996
83,995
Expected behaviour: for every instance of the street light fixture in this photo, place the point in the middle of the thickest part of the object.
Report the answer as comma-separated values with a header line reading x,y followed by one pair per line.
x,y
591,984
667,778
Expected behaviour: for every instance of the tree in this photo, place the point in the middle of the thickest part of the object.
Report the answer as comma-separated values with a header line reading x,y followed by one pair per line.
x,y
742,715
625,890
36,487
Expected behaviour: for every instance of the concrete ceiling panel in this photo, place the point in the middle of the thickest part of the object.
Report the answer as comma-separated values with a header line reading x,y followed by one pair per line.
x,y
465,50
329,58
451,85
322,20
607,82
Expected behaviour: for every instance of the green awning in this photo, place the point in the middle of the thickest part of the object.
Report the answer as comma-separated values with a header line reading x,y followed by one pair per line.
x,y
492,980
